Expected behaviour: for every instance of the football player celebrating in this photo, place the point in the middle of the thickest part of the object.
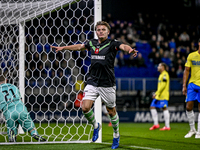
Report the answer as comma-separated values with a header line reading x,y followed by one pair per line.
x,y
101,77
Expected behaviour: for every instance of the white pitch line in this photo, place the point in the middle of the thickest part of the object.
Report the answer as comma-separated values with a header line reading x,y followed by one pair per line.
x,y
132,146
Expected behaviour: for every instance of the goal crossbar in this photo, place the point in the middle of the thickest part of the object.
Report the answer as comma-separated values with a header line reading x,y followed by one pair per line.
x,y
20,11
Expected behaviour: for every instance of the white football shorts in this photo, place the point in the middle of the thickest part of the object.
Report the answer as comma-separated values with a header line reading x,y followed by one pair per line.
x,y
107,94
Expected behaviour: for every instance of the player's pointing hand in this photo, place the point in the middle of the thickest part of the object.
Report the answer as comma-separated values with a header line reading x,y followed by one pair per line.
x,y
134,52
57,48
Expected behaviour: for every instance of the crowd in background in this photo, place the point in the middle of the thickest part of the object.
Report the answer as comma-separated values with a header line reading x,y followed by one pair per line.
x,y
169,42
156,37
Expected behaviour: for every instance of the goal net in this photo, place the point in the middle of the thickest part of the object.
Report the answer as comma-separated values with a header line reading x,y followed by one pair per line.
x,y
49,82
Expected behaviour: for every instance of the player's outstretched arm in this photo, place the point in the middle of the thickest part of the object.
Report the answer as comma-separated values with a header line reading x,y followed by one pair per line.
x,y
128,49
77,47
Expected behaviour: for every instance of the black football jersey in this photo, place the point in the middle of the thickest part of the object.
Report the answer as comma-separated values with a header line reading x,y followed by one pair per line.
x,y
101,72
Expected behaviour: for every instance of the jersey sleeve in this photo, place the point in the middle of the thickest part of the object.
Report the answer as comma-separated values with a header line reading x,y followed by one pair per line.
x,y
117,44
188,62
162,84
165,78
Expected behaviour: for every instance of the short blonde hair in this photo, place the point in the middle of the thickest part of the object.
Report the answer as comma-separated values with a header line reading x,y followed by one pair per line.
x,y
103,23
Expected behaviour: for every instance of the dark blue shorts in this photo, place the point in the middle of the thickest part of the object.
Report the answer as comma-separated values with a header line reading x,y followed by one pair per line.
x,y
193,92
159,103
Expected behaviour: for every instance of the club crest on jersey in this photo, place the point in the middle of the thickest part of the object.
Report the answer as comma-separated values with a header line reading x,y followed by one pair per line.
x,y
96,50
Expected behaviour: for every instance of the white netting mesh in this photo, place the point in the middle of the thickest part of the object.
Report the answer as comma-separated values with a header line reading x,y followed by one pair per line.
x,y
52,80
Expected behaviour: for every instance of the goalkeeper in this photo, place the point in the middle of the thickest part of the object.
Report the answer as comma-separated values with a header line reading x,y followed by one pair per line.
x,y
15,111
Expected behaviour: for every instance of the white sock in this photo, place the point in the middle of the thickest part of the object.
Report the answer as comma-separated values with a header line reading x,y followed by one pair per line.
x,y
190,115
166,116
154,115
115,135
199,123
95,125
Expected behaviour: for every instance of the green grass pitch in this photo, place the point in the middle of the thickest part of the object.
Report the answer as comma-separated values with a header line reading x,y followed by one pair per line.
x,y
134,136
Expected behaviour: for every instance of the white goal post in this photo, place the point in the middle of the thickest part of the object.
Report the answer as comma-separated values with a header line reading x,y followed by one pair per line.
x,y
49,82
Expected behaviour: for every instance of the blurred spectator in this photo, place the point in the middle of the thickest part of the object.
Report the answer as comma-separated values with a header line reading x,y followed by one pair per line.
x,y
172,54
149,31
117,34
126,58
113,28
108,18
165,46
172,43
56,64
112,36
123,40
140,19
62,78
179,72
184,38
132,61
166,59
187,51
179,67
36,57
172,73
152,42
143,36
176,38
157,59
121,61
193,46
130,40
194,37
161,52
130,29
152,54
176,58
140,61
162,30
157,45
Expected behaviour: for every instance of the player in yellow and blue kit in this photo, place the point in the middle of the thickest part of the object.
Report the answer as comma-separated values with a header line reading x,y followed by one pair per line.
x,y
192,91
161,98
15,111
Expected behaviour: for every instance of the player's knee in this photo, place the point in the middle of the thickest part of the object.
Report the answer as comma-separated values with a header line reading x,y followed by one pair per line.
x,y
112,112
189,105
189,108
85,109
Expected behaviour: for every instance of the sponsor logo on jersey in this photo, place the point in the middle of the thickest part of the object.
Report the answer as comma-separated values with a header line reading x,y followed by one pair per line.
x,y
96,51
195,62
97,57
